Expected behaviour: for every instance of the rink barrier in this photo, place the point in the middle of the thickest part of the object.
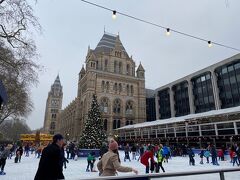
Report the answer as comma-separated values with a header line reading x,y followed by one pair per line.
x,y
164,175
197,151
85,152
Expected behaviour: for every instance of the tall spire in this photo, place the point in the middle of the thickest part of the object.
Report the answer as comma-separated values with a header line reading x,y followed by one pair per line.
x,y
140,67
57,80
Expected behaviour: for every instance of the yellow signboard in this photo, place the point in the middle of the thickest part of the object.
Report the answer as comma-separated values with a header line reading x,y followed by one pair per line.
x,y
32,137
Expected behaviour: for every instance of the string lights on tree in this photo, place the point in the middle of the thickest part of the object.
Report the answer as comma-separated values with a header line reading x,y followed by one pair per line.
x,y
167,29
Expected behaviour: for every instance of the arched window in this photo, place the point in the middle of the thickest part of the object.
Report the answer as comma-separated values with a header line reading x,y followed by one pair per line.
x,y
114,124
120,68
128,69
54,116
131,122
127,89
120,87
118,124
132,91
129,108
52,125
106,65
127,123
107,86
104,105
133,71
103,86
117,106
97,65
115,66
115,87
105,124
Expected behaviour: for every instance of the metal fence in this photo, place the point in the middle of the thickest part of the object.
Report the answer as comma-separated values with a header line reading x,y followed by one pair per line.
x,y
176,174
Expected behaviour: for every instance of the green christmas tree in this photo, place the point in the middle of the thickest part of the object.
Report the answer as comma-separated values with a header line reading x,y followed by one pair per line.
x,y
93,135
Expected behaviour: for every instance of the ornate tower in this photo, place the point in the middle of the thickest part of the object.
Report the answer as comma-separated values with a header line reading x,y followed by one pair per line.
x,y
53,107
140,71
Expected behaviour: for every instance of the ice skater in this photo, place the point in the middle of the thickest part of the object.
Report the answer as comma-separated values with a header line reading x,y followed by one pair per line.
x,y
110,162
160,158
145,158
3,158
235,158
191,157
90,160
126,151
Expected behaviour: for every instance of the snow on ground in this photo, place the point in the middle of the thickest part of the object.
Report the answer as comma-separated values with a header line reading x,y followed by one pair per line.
x,y
77,169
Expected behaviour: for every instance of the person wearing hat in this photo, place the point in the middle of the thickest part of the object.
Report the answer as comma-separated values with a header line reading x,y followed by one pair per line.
x,y
110,162
3,158
50,164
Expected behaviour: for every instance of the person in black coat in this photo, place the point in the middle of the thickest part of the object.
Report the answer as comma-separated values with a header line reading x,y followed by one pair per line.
x,y
50,164
191,157
19,153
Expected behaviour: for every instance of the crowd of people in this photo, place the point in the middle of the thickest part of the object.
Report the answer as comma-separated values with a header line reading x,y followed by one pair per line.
x,y
53,157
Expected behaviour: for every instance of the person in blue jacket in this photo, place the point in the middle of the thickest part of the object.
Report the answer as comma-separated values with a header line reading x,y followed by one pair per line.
x,y
166,153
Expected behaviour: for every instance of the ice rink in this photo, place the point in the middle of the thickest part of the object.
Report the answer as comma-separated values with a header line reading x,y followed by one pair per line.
x,y
77,169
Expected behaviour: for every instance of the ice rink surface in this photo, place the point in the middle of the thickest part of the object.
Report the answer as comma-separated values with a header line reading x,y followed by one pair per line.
x,y
77,169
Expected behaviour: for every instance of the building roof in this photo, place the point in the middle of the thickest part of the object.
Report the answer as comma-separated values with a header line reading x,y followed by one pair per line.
x,y
140,67
183,118
82,70
150,93
108,42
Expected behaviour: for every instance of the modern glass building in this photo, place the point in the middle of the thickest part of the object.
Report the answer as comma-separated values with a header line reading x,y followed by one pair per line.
x,y
201,108
181,99
150,105
215,87
228,80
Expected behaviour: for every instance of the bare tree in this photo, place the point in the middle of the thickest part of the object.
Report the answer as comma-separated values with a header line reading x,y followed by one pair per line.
x,y
11,130
18,53
19,102
16,20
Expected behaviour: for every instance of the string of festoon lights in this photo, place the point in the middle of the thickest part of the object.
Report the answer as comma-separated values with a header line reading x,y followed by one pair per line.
x,y
168,30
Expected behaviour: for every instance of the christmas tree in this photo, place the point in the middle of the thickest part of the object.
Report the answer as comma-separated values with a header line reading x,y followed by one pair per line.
x,y
93,135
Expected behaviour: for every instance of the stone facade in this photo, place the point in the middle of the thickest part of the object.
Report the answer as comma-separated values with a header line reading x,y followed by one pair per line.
x,y
53,108
110,74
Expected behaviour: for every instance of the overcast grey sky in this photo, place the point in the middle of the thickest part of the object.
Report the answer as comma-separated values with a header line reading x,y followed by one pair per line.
x,y
70,26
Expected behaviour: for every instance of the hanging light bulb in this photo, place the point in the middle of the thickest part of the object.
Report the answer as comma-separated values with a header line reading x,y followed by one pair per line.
x,y
168,32
114,16
210,44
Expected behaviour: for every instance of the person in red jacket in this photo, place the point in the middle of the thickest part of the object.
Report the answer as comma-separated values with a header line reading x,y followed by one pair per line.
x,y
145,159
220,155
231,150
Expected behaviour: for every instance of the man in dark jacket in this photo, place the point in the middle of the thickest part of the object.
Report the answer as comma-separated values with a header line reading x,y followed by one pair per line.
x,y
50,165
